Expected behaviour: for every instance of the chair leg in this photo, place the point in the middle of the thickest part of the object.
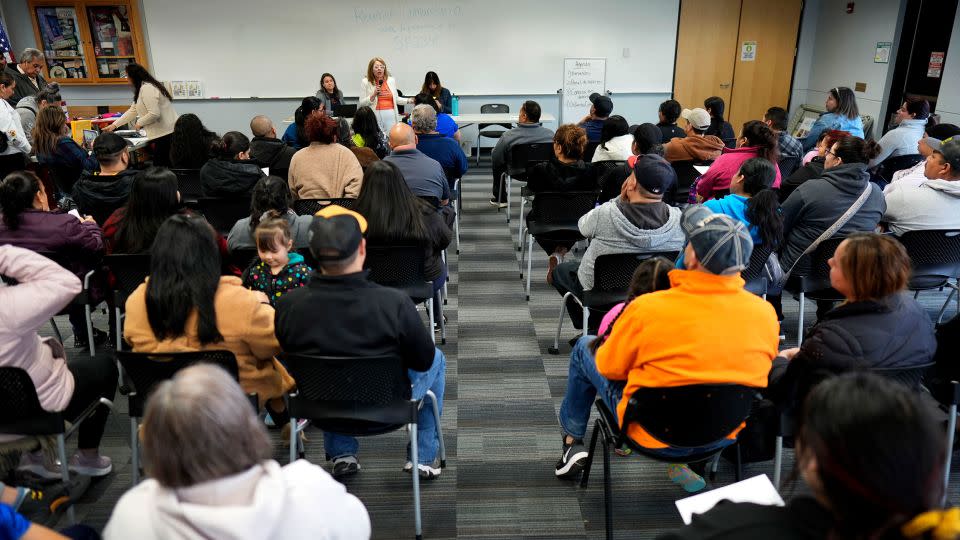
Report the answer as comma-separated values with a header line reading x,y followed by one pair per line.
x,y
777,461
607,490
800,323
56,329
556,338
293,439
65,472
586,318
415,473
89,321
118,324
585,474
436,419
946,304
456,225
443,326
443,256
951,429
738,474
520,223
430,311
529,262
506,178
134,453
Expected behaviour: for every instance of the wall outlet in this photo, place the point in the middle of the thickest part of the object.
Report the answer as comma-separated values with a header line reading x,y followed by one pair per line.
x,y
860,87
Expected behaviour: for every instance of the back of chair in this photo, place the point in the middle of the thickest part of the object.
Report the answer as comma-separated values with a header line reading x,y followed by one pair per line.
x,y
686,175
935,255
128,271
562,207
788,165
525,156
64,177
891,165
242,257
188,181
912,376
396,266
309,207
612,275
20,410
816,275
590,150
223,213
690,416
610,177
493,108
146,370
351,395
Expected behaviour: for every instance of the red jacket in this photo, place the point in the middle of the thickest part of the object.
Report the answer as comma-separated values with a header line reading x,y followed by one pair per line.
x,y
725,168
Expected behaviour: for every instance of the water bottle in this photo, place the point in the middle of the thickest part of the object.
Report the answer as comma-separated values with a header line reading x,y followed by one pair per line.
x,y
455,105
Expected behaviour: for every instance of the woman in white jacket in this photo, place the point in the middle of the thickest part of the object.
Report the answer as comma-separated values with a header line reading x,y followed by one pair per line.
x,y
153,111
212,476
378,90
13,156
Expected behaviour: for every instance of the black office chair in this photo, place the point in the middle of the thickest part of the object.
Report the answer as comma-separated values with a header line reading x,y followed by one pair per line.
x,y
222,213
554,216
84,298
128,272
402,267
788,165
811,280
523,157
22,414
309,207
590,150
686,176
491,108
361,397
142,372
883,174
935,255
610,178
755,274
690,416
64,177
611,279
243,257
188,181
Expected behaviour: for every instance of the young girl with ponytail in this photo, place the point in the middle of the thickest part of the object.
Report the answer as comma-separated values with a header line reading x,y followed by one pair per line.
x,y
753,201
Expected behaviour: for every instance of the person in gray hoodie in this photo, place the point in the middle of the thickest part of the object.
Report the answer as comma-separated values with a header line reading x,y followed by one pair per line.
x,y
30,106
528,130
934,204
638,221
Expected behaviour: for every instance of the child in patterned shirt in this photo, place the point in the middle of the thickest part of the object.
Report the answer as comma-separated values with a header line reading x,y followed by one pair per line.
x,y
278,270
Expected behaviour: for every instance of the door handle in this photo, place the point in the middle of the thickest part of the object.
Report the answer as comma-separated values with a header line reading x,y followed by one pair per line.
x,y
724,85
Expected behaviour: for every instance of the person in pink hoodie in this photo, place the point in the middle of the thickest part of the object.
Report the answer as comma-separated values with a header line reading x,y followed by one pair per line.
x,y
42,289
756,140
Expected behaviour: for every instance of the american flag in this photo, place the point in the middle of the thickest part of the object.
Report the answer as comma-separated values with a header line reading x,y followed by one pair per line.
x,y
5,43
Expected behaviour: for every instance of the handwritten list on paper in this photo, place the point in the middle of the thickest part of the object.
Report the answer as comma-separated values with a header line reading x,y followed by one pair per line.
x,y
581,77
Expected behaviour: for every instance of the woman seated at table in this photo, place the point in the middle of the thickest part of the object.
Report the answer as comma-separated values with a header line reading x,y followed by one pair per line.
x,y
330,96
440,95
231,172
57,150
186,305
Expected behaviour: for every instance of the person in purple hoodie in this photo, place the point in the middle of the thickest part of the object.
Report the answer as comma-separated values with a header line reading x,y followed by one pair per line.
x,y
28,222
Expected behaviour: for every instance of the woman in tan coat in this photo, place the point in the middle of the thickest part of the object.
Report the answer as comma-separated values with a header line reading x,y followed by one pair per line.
x,y
186,305
325,169
153,111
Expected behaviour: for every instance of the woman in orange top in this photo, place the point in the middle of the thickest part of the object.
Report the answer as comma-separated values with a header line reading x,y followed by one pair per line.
x,y
378,90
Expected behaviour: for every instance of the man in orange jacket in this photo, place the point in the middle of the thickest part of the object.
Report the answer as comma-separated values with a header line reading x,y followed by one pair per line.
x,y
688,334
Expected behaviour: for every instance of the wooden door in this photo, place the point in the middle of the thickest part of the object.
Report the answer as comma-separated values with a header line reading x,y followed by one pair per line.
x,y
764,81
706,50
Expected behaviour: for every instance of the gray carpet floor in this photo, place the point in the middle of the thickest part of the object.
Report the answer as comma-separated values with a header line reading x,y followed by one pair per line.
x,y
500,416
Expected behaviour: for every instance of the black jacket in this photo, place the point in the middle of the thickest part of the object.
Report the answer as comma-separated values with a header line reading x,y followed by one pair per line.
x,y
669,131
893,334
228,178
801,519
24,87
351,316
556,176
99,196
272,153
813,169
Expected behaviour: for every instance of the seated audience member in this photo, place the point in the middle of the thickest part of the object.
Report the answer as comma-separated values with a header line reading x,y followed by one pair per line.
x,y
934,204
635,354
99,193
616,142
270,194
153,198
265,148
29,223
233,488
718,126
56,149
789,147
364,155
325,169
296,133
638,221
437,92
446,125
565,171
370,320
367,133
842,114
529,130
186,305
231,172
669,112
330,94
852,426
812,168
914,176
878,326
396,216
696,145
902,140
646,140
651,275
443,150
43,288
593,122
191,143
756,140
29,107
423,174
278,269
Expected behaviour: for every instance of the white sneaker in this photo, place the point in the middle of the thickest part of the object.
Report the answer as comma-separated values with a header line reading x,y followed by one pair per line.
x,y
427,472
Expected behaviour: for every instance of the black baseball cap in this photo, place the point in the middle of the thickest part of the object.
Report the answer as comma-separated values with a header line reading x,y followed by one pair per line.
x,y
108,144
335,233
601,104
654,174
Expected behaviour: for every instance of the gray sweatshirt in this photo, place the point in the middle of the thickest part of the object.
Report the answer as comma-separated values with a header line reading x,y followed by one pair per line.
x,y
934,204
522,134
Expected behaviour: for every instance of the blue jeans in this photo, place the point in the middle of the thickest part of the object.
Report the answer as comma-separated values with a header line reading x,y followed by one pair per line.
x,y
584,383
427,441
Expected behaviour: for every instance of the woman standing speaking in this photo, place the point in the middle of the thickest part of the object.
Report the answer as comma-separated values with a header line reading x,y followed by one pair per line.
x,y
378,90
153,109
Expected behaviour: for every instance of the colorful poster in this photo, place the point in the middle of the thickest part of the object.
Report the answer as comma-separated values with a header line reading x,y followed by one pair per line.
x,y
935,67
882,55
748,51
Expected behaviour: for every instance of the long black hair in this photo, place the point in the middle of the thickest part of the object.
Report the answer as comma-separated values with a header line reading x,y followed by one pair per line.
x,y
856,150
139,75
269,193
153,198
336,89
393,212
306,108
614,126
365,124
763,206
760,135
184,276
715,106
17,192
192,142
231,144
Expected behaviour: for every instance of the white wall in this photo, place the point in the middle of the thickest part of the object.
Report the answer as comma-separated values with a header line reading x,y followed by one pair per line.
x,y
806,45
948,102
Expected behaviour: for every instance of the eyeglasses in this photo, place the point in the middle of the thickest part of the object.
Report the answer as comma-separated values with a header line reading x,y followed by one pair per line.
x,y
829,151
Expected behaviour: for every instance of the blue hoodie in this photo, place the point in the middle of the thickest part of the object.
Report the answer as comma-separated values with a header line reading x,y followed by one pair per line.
x,y
831,120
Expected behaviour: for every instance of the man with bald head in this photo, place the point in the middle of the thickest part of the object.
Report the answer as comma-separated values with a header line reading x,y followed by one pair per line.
x,y
423,174
267,150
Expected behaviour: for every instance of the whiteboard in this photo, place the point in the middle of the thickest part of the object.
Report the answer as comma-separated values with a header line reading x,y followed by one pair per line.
x,y
581,78
252,48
